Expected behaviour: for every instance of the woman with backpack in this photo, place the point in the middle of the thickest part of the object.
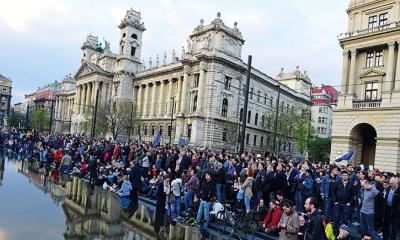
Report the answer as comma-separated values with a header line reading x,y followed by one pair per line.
x,y
247,186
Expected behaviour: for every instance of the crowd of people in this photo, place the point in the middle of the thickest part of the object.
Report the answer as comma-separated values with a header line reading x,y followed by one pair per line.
x,y
287,198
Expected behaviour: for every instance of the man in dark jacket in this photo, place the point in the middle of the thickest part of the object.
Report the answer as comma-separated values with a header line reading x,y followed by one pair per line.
x,y
342,196
207,195
392,211
314,226
280,180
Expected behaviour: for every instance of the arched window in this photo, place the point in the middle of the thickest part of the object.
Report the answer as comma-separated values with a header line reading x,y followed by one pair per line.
x,y
256,119
241,115
195,103
248,116
134,36
263,121
224,107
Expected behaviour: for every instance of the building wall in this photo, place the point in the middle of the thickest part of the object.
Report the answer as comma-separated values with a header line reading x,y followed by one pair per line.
x,y
5,99
353,106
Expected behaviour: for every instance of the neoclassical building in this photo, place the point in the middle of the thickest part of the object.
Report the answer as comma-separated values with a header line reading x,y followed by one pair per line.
x,y
368,111
196,94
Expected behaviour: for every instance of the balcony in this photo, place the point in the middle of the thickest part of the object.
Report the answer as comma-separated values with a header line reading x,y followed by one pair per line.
x,y
356,33
367,104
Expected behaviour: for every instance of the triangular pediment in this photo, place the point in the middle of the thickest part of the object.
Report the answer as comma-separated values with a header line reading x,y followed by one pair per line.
x,y
372,73
84,69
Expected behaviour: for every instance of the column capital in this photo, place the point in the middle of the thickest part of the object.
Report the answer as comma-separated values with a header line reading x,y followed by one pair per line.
x,y
354,51
392,44
346,52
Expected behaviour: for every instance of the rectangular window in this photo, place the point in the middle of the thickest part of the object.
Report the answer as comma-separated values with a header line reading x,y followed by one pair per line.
x,y
320,109
258,96
370,59
319,119
169,131
255,140
287,109
261,141
247,139
189,131
251,93
372,21
378,58
265,99
133,50
145,130
228,81
371,91
271,100
153,130
196,80
224,134
160,130
383,19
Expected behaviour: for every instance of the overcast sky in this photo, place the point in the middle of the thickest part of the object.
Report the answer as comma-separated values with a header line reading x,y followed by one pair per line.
x,y
40,40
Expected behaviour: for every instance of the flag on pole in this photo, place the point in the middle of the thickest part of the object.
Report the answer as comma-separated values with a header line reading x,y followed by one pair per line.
x,y
347,157
157,139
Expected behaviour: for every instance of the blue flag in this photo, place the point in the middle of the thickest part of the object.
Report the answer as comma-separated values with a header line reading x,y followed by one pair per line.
x,y
157,139
348,156
182,142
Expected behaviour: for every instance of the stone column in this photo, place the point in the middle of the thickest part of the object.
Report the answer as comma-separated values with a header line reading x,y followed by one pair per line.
x,y
77,96
200,96
169,100
88,98
153,99
161,99
83,98
345,72
94,92
146,100
389,70
352,76
182,89
139,102
397,78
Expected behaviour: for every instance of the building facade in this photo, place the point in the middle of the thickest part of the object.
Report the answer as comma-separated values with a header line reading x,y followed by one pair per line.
x,y
324,99
366,118
64,103
196,94
5,99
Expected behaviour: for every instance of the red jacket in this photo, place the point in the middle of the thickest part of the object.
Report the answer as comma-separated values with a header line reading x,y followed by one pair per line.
x,y
273,221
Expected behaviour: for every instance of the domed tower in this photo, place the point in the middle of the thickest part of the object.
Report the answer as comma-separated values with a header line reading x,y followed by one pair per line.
x,y
130,49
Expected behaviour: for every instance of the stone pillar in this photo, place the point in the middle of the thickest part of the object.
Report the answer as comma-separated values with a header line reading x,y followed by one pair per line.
x,y
153,99
83,99
77,97
169,100
161,99
88,98
139,102
389,70
352,76
145,105
200,96
94,92
182,89
345,72
397,78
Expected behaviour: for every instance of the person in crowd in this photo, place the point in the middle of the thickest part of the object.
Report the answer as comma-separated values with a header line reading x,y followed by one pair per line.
x,y
207,195
219,178
328,229
343,195
247,186
314,226
392,210
260,212
289,223
367,213
327,184
271,220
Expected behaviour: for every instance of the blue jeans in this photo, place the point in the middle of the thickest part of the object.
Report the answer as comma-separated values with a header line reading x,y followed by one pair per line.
x,y
188,200
342,214
176,206
204,209
299,201
247,203
219,192
367,225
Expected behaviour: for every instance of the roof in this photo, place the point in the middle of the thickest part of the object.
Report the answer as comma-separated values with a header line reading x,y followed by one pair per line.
x,y
94,67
